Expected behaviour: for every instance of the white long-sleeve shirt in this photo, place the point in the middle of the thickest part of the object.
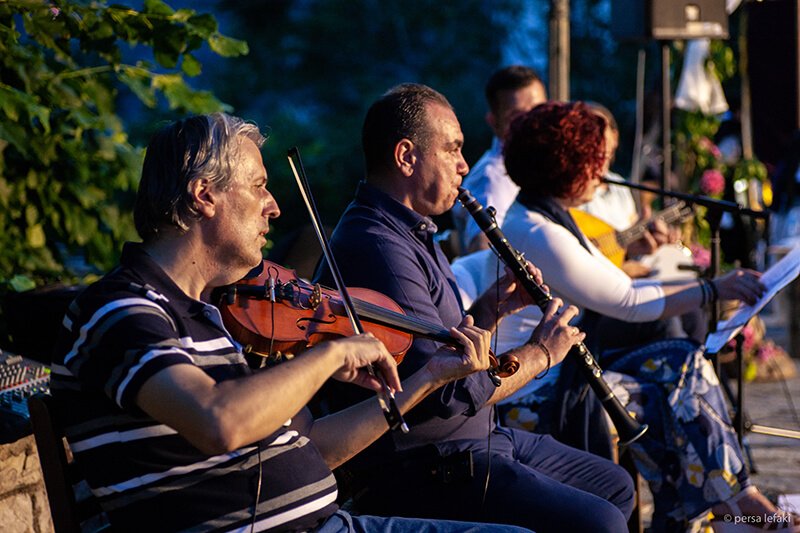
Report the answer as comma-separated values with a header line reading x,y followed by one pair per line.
x,y
579,276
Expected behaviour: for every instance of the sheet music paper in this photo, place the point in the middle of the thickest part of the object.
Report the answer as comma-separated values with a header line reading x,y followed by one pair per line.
x,y
775,278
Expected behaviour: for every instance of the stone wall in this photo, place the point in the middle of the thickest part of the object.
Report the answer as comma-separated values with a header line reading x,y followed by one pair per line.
x,y
23,500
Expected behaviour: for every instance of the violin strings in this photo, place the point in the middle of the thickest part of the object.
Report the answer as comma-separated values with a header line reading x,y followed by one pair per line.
x,y
401,321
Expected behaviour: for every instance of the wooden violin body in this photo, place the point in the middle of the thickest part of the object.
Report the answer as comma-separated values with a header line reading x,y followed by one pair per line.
x,y
307,314
272,312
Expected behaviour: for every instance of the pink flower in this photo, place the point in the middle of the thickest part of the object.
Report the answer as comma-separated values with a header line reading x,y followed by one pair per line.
x,y
767,351
700,255
749,339
54,11
712,182
706,144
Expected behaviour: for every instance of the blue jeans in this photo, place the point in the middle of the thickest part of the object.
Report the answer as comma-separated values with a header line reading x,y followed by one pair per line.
x,y
344,522
534,482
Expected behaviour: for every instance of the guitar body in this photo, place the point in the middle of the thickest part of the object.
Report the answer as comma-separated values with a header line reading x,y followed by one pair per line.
x,y
671,262
614,243
602,235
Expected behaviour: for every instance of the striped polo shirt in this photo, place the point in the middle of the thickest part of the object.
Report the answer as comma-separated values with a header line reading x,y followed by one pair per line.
x,y
119,332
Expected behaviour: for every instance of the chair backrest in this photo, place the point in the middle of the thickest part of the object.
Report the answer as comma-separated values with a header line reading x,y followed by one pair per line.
x,y
59,472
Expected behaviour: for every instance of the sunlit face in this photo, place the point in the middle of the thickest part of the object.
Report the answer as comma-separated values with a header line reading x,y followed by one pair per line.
x,y
244,210
511,104
439,167
612,142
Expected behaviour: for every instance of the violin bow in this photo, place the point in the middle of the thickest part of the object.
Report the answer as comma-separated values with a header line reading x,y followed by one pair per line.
x,y
385,395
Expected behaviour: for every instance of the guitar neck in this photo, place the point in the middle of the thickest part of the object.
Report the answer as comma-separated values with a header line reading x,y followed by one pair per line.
x,y
669,215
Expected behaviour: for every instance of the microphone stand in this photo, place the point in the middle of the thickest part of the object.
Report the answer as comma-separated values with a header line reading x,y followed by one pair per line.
x,y
715,209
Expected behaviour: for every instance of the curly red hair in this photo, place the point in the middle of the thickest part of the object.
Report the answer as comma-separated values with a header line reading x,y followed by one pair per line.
x,y
555,149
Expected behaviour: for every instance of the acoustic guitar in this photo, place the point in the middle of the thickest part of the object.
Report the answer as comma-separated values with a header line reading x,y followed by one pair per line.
x,y
613,243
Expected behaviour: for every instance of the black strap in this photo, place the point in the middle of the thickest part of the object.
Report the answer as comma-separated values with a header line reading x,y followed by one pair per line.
x,y
550,209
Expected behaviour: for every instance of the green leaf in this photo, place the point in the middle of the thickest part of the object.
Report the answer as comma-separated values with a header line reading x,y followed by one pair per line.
x,y
226,46
203,25
191,66
31,215
5,192
35,236
168,46
103,30
16,136
157,7
182,15
140,84
40,116
181,96
20,283
9,105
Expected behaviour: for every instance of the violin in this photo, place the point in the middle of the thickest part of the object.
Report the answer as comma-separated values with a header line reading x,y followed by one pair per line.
x,y
309,313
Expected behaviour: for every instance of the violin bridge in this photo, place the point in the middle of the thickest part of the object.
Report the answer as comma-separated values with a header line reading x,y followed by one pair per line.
x,y
316,297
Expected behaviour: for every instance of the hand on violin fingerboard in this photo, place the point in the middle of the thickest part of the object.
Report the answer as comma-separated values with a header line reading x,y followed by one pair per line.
x,y
455,363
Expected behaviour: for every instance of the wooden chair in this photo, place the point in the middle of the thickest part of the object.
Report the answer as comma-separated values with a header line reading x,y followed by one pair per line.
x,y
71,513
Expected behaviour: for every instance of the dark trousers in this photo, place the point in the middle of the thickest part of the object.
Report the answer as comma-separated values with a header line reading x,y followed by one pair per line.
x,y
535,482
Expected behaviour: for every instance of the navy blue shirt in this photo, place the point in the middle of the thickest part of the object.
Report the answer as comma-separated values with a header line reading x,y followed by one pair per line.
x,y
382,245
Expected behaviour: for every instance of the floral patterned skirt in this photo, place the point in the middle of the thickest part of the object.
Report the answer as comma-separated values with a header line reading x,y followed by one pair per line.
x,y
690,455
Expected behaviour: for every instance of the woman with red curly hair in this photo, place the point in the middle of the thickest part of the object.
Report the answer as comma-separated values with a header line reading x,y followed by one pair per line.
x,y
556,155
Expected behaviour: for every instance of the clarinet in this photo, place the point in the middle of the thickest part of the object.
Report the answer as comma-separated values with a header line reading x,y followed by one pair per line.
x,y
628,428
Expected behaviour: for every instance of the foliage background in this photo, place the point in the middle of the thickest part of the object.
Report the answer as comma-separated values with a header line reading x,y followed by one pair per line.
x,y
68,171
83,84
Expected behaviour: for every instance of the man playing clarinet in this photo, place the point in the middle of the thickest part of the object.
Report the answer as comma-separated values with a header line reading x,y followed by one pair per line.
x,y
456,462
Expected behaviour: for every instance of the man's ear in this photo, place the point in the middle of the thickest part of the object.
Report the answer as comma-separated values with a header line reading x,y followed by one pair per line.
x,y
405,156
204,197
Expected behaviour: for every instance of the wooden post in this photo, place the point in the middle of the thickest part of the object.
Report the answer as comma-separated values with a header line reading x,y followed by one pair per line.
x,y
559,50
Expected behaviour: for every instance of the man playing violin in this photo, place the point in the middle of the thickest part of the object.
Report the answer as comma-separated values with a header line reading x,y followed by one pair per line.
x,y
170,427
456,462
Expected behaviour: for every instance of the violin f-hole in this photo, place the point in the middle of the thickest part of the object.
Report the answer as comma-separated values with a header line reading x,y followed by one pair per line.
x,y
301,321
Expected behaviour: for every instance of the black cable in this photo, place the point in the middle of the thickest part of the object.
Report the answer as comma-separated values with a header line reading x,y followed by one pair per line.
x,y
258,443
258,488
492,410
272,307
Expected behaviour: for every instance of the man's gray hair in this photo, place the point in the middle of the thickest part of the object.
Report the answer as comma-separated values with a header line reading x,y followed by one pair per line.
x,y
200,147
